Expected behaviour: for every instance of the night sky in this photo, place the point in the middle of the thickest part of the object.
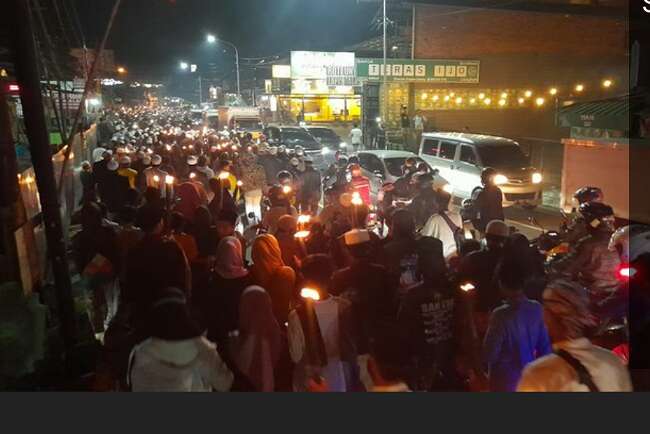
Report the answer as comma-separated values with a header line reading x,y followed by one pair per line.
x,y
150,37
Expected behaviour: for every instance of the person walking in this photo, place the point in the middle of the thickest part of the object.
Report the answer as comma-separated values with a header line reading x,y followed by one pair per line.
x,y
516,333
356,137
310,193
258,345
489,202
444,225
176,358
419,123
270,272
576,365
320,332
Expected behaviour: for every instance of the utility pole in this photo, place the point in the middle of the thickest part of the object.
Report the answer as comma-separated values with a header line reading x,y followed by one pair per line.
x,y
28,78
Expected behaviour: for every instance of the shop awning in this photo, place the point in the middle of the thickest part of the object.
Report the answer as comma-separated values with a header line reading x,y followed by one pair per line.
x,y
610,114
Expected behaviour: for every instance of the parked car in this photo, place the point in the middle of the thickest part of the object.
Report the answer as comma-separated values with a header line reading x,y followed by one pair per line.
x,y
460,158
329,139
382,166
290,137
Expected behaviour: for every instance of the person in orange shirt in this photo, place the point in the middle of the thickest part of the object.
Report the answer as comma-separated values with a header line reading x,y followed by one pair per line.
x,y
184,240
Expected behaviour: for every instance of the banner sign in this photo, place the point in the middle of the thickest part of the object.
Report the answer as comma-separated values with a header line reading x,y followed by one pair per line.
x,y
336,69
419,70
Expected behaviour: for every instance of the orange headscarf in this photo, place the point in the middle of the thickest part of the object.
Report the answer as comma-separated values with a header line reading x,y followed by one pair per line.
x,y
267,258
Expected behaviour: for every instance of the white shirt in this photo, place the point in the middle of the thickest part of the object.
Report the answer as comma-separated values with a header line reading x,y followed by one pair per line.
x,y
355,136
437,227
191,365
327,315
552,374
418,122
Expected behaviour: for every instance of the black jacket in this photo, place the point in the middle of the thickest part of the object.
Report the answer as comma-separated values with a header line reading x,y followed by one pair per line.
x,y
311,184
489,204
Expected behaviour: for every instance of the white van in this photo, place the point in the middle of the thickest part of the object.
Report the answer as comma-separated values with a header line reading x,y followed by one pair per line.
x,y
460,158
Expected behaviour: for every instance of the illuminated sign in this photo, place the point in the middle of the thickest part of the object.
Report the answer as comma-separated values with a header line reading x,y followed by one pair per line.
x,y
336,69
419,70
281,71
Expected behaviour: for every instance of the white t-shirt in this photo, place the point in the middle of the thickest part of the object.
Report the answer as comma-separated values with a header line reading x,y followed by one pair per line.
x,y
552,374
355,136
437,227
418,122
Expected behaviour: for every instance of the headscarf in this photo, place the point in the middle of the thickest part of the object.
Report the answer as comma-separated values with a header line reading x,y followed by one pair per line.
x,y
258,348
267,258
570,304
230,262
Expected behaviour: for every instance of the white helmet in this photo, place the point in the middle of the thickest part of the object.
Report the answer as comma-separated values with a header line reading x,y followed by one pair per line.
x,y
631,242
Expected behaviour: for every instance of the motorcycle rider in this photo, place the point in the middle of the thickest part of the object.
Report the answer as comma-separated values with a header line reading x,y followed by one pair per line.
x,y
311,188
286,181
591,262
489,201
360,183
632,243
425,201
577,228
403,184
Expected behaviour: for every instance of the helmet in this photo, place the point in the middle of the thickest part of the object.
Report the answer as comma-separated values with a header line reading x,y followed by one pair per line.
x,y
282,149
342,161
487,174
353,160
294,162
299,150
275,193
588,194
630,242
353,167
284,175
596,214
423,179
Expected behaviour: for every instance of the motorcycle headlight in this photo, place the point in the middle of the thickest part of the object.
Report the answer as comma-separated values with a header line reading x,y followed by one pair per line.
x,y
343,145
500,179
536,178
448,188
325,150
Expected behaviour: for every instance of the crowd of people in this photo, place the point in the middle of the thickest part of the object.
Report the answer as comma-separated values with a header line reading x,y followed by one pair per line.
x,y
218,262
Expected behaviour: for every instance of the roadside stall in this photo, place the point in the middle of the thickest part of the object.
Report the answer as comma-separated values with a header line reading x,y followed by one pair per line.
x,y
600,150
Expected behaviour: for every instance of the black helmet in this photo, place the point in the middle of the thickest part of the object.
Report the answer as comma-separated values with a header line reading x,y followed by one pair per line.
x,y
588,194
353,160
342,161
487,174
424,180
284,175
276,193
596,213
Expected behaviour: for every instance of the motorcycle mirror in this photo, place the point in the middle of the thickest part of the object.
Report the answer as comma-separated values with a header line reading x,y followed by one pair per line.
x,y
378,174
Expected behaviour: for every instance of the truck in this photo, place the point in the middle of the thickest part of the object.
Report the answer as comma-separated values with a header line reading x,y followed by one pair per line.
x,y
240,119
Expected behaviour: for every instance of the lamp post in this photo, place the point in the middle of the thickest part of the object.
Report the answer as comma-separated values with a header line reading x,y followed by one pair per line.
x,y
212,40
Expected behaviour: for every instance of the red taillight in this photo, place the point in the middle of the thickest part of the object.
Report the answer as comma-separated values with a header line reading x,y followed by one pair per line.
x,y
625,272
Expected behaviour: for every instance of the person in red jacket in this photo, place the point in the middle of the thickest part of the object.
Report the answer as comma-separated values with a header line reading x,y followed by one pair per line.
x,y
360,183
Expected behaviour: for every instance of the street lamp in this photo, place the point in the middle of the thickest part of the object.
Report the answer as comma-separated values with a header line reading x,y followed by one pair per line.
x,y
121,70
211,39
184,65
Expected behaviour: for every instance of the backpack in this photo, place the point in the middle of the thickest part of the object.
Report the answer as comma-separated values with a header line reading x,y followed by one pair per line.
x,y
459,235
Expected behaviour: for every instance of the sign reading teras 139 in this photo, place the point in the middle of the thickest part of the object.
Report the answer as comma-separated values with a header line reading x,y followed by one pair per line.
x,y
407,70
